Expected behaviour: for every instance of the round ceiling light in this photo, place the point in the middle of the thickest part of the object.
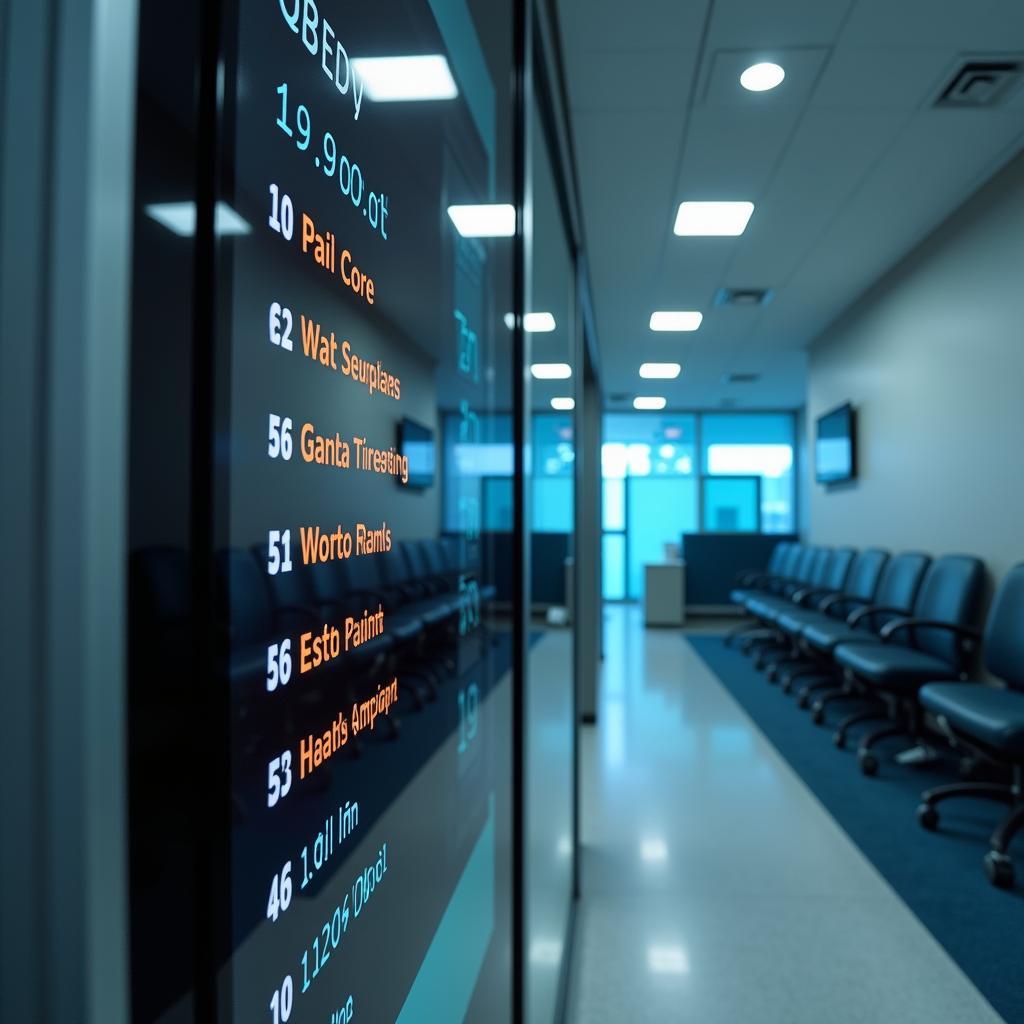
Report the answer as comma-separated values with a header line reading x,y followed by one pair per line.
x,y
762,77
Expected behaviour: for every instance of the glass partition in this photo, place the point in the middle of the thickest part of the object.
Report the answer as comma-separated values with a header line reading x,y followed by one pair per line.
x,y
321,672
550,701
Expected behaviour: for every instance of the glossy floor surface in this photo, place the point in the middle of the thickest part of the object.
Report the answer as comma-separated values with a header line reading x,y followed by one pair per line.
x,y
716,889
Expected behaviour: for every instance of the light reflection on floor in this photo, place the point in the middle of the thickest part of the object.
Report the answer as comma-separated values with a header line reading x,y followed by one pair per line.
x,y
716,888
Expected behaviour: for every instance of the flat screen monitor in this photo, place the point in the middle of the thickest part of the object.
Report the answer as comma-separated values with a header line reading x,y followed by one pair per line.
x,y
416,443
835,446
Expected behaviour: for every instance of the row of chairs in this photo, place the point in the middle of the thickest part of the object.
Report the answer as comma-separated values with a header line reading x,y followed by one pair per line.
x,y
899,636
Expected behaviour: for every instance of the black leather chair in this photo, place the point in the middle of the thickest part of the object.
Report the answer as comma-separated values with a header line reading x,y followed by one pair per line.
x,y
865,616
988,722
933,644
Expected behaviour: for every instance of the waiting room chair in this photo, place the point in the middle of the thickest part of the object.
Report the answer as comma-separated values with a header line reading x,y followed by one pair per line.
x,y
989,722
933,644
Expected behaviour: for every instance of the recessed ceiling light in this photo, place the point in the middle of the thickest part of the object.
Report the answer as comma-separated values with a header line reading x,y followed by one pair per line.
x,y
653,850
762,77
649,403
660,371
679,320
401,79
181,219
667,959
538,323
551,371
493,220
563,404
713,218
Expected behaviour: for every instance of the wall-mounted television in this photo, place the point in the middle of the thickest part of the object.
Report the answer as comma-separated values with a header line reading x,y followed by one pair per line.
x,y
416,442
835,447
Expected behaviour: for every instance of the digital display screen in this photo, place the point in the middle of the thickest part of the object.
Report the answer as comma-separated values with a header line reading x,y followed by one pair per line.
x,y
416,443
356,671
833,449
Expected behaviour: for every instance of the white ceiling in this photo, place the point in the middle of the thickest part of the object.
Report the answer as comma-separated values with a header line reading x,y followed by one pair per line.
x,y
848,163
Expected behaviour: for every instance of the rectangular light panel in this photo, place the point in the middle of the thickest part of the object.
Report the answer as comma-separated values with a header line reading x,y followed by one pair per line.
x,y
538,323
649,403
492,220
180,218
406,79
551,371
660,371
563,404
727,219
676,320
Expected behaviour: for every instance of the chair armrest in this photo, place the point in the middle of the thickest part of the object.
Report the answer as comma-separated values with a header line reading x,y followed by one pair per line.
x,y
967,635
815,595
871,610
837,599
749,578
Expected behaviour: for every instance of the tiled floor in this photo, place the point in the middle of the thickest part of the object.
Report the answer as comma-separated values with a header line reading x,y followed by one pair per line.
x,y
716,889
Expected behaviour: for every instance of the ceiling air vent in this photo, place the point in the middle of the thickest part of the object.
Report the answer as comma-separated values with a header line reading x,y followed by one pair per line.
x,y
743,297
741,378
619,396
980,83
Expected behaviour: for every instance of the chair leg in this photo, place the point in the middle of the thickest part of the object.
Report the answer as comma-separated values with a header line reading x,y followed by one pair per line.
x,y
803,697
998,865
829,697
866,757
844,727
755,638
776,664
746,626
1004,834
771,650
799,667
1000,792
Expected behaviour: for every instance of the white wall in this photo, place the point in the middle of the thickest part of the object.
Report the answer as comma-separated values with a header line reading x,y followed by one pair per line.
x,y
933,360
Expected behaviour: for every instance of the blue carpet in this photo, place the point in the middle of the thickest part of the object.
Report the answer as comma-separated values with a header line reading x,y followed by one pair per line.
x,y
938,875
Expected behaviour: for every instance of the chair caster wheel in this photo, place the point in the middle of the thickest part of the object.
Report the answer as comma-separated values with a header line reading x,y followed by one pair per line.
x,y
802,701
787,685
868,762
928,817
817,714
999,869
772,675
839,741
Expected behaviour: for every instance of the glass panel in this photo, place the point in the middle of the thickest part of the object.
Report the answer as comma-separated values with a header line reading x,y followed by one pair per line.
x,y
471,471
361,399
553,473
731,504
755,444
549,729
613,566
613,515
660,511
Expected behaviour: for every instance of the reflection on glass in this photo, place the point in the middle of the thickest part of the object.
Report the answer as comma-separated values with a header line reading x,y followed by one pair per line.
x,y
359,673
549,701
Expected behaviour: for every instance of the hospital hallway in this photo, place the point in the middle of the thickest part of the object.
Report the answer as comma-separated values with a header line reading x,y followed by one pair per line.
x,y
715,887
